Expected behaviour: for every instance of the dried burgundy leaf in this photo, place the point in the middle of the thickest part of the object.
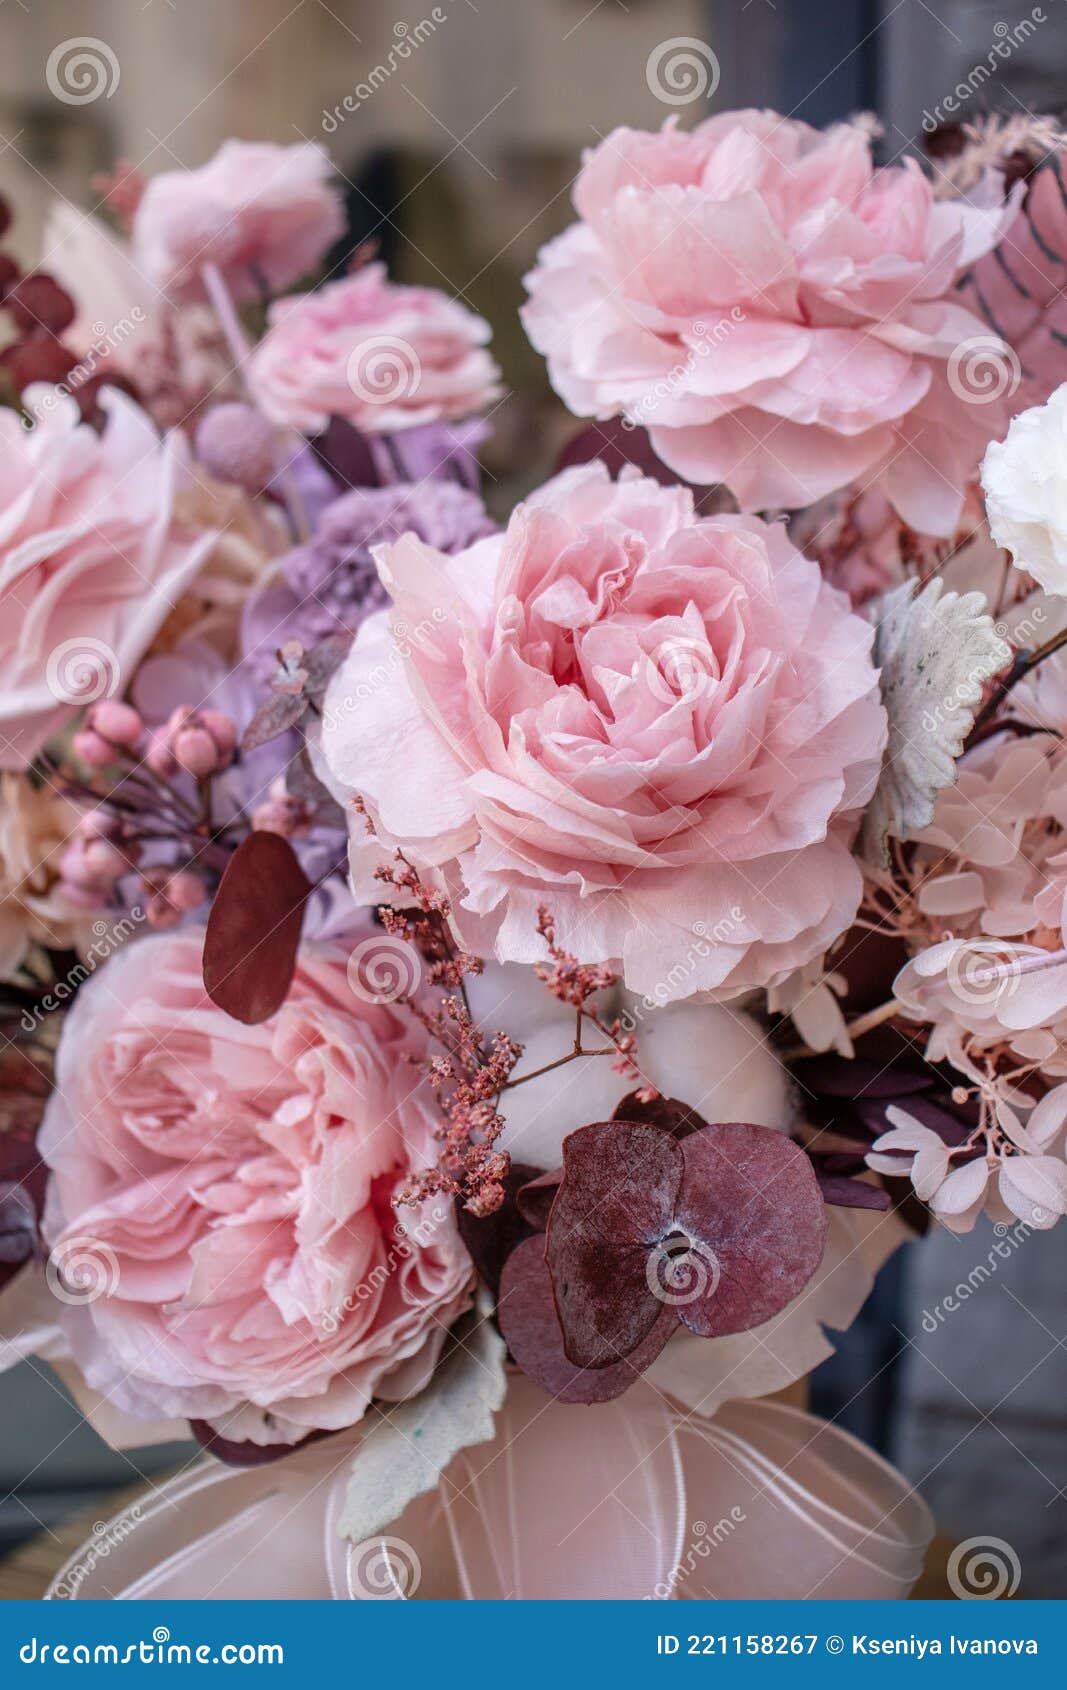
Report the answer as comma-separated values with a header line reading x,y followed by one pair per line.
x,y
846,1193
752,1209
621,1181
18,1230
616,445
253,931
275,716
526,1310
346,453
666,1113
246,1453
491,1239
322,661
535,1199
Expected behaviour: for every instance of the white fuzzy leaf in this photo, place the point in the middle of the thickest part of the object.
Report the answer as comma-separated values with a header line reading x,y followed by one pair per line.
x,y
936,651
405,1453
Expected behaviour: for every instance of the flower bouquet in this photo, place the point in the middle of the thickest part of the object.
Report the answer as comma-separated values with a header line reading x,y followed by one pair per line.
x,y
484,994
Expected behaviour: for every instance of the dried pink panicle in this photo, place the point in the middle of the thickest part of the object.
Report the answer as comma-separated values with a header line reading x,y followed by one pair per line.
x,y
574,983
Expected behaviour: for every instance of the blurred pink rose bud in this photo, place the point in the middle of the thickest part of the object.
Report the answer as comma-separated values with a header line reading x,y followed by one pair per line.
x,y
185,890
263,214
89,748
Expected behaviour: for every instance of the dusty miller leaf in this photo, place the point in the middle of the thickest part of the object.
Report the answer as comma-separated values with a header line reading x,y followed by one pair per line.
x,y
405,1453
936,651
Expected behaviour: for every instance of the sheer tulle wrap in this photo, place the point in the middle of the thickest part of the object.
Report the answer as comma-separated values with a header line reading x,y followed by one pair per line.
x,y
630,1500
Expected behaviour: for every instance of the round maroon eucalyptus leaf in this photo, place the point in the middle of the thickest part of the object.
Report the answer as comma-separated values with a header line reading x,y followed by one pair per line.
x,y
667,1113
246,1453
253,930
621,1181
751,1229
491,1239
536,1197
528,1320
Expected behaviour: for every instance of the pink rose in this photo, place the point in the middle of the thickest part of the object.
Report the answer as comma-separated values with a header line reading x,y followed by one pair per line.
x,y
775,311
92,559
232,1186
662,728
263,214
381,355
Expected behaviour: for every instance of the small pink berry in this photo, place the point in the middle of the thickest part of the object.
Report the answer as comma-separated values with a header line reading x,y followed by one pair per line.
x,y
89,748
223,731
120,723
161,913
185,890
196,752
160,757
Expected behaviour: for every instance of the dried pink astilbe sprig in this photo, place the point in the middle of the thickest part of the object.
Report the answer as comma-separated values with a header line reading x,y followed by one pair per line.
x,y
577,984
470,1069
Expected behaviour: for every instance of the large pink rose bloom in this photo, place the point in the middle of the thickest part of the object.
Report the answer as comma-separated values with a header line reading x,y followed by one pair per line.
x,y
662,728
382,355
264,215
232,1185
93,557
775,311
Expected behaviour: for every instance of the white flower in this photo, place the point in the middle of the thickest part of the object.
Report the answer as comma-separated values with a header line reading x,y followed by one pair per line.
x,y
1025,482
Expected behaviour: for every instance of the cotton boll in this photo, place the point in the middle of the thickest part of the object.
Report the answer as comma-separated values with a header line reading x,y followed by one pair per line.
x,y
717,1060
510,998
711,1057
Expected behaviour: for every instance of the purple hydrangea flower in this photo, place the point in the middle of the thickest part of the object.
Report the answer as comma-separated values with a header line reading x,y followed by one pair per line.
x,y
329,585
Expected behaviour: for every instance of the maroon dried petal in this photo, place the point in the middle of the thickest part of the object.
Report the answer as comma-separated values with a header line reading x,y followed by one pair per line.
x,y
9,274
18,1230
846,1193
536,1197
616,445
276,715
855,1077
346,453
526,1310
621,1181
245,1453
39,303
491,1239
40,359
667,1113
253,931
752,1211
